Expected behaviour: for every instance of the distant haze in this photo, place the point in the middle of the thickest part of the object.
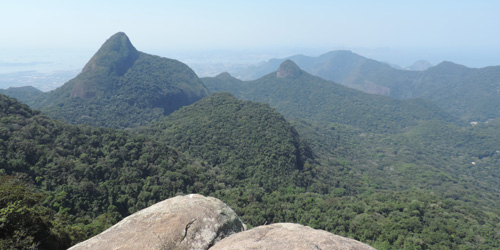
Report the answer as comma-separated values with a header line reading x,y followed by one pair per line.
x,y
65,34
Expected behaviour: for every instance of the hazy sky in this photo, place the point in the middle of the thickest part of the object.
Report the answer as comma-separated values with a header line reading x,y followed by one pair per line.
x,y
463,31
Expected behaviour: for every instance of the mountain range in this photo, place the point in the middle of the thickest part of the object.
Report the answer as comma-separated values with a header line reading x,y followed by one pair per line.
x,y
298,94
332,116
289,146
465,92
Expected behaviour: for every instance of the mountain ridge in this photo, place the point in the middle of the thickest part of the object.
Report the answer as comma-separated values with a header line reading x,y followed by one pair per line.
x,y
306,96
122,87
468,93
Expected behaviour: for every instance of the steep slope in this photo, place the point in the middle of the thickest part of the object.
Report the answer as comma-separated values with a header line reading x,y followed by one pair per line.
x,y
121,87
297,94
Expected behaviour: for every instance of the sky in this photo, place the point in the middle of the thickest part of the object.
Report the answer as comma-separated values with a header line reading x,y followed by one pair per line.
x,y
65,33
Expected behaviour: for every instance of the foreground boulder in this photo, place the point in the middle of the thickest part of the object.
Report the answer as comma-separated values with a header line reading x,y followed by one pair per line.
x,y
288,236
183,222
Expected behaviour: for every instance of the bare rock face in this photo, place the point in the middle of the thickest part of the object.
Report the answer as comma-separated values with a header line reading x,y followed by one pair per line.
x,y
288,236
183,222
288,69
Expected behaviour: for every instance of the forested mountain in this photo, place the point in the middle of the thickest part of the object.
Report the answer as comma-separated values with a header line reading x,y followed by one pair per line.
x,y
340,66
81,180
465,92
27,94
392,173
121,87
298,94
84,179
382,137
426,158
245,140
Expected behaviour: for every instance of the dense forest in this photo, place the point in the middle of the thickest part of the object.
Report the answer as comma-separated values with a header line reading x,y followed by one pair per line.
x,y
84,179
78,180
430,154
287,147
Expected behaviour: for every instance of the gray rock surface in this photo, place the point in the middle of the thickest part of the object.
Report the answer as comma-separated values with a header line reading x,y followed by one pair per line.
x,y
288,69
183,222
288,236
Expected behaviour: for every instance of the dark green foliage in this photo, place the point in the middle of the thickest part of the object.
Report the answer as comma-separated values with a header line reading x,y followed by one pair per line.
x,y
312,98
121,87
90,177
472,94
249,142
94,177
24,222
251,152
28,94
393,174
377,165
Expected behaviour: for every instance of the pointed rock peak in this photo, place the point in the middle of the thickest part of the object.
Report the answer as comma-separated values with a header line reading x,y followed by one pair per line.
x,y
116,55
288,69
117,42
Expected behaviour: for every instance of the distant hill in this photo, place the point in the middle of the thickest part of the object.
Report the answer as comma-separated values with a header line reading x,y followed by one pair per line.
x,y
339,66
468,93
298,94
419,65
27,94
121,87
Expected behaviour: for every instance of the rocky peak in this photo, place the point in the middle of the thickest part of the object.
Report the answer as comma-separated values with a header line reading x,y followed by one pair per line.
x,y
198,222
117,54
288,236
113,59
183,222
288,69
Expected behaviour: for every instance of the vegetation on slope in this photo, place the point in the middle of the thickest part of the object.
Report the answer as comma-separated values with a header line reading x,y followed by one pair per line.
x,y
27,94
121,87
394,174
471,94
246,140
89,178
304,96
